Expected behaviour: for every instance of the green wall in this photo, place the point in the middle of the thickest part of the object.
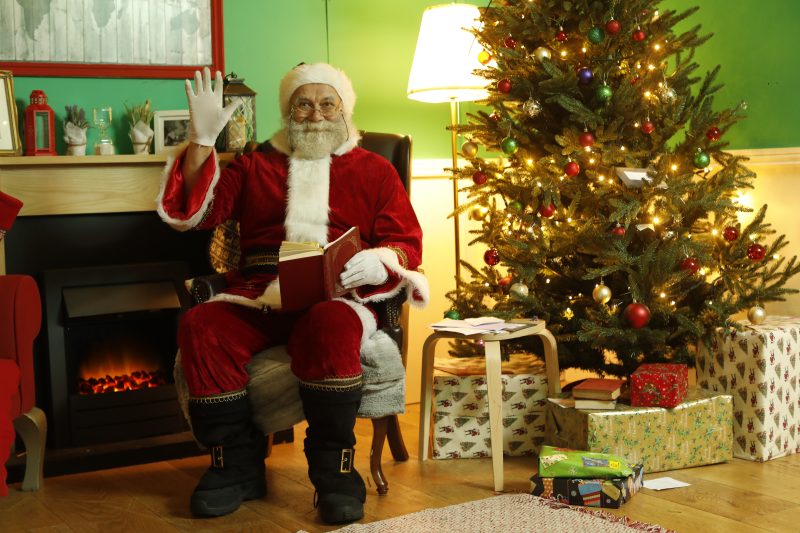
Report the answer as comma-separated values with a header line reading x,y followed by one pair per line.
x,y
374,40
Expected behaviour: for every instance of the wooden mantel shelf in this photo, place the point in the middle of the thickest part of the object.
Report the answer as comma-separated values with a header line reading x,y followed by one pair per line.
x,y
72,185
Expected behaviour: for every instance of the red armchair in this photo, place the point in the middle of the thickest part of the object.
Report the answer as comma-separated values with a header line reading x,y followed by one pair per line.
x,y
20,320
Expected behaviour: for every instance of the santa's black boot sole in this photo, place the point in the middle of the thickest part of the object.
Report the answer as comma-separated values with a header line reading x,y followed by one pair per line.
x,y
339,508
219,502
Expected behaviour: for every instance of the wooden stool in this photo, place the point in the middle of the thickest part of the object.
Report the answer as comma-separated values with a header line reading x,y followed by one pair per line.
x,y
493,384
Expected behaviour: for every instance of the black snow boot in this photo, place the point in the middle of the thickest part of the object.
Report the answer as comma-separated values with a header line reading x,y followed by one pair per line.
x,y
224,424
329,447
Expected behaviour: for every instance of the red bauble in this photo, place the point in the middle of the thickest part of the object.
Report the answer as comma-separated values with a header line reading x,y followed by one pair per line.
x,y
637,315
756,252
504,86
505,282
648,127
730,234
480,177
491,257
547,210
690,263
494,117
613,26
510,42
639,35
572,169
586,139
713,133
618,230
561,36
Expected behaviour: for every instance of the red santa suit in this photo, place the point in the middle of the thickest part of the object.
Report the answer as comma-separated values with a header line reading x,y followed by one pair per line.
x,y
275,197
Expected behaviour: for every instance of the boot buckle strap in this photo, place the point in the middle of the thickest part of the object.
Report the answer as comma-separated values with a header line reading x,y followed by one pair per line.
x,y
346,465
216,457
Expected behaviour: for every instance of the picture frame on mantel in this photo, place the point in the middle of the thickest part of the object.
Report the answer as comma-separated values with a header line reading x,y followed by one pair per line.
x,y
171,128
10,144
112,39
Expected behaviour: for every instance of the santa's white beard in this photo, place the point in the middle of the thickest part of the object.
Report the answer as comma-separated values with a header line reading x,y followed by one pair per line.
x,y
315,140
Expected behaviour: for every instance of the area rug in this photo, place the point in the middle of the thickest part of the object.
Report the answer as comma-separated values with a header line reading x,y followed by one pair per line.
x,y
507,513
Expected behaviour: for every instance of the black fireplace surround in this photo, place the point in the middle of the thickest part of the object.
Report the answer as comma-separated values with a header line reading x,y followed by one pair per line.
x,y
105,276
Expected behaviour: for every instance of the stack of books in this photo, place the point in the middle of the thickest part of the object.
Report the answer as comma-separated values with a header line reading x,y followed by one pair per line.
x,y
597,393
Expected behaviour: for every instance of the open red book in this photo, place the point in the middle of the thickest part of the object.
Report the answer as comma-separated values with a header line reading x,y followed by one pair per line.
x,y
309,273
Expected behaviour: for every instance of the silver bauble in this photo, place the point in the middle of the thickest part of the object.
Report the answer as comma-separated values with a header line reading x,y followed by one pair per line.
x,y
756,315
541,53
469,149
519,291
601,294
532,107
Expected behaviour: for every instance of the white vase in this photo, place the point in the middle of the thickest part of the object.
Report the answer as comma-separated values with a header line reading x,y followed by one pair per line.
x,y
76,149
141,148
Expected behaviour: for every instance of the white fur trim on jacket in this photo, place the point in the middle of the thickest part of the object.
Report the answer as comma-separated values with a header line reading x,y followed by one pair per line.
x,y
307,200
416,281
317,73
368,322
196,218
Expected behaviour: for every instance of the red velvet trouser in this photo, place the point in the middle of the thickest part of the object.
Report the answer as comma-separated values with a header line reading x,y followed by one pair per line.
x,y
217,340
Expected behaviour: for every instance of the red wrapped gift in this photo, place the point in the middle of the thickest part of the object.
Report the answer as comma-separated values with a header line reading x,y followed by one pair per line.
x,y
659,385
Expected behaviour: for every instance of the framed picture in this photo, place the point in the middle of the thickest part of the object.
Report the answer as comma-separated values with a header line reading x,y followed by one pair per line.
x,y
172,128
9,131
111,38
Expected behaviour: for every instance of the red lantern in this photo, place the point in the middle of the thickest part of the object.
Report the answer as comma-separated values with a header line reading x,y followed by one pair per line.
x,y
40,135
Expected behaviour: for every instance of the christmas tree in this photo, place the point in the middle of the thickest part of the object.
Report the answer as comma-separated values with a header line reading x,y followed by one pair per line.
x,y
613,211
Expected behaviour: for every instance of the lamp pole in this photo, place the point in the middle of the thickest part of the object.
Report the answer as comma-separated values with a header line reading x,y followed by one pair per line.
x,y
453,138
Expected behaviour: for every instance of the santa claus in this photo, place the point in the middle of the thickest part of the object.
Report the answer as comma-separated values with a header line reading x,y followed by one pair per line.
x,y
314,186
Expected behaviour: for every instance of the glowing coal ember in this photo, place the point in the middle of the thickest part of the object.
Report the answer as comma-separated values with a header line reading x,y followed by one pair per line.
x,y
141,379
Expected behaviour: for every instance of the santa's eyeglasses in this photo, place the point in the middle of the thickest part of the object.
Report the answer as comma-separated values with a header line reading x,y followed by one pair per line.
x,y
328,110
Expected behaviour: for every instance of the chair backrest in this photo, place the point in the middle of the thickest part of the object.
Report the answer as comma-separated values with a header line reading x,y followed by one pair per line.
x,y
394,148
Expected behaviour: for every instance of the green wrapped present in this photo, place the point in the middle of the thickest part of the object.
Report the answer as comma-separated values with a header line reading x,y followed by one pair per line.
x,y
608,493
697,432
563,462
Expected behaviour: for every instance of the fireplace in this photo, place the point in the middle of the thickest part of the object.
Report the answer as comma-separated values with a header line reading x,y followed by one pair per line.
x,y
111,337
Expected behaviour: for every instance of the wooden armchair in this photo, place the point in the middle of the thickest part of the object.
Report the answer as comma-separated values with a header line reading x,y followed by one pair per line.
x,y
392,313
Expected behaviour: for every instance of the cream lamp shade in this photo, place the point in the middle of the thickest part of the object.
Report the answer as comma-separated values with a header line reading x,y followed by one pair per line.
x,y
446,56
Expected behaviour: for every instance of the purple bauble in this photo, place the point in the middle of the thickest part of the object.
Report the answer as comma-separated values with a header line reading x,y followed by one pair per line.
x,y
585,75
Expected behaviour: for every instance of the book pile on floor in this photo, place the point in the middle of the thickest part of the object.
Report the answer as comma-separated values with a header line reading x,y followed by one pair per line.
x,y
597,393
586,478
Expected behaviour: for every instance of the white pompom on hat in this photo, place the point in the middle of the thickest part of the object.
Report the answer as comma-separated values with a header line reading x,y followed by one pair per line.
x,y
304,74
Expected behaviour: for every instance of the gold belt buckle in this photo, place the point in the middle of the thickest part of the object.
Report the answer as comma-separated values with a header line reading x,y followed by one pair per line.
x,y
346,465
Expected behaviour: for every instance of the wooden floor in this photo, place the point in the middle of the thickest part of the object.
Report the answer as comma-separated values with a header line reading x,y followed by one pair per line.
x,y
737,496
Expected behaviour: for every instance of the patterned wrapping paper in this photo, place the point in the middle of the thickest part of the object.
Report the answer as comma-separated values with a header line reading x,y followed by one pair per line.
x,y
659,385
697,432
759,367
461,415
607,493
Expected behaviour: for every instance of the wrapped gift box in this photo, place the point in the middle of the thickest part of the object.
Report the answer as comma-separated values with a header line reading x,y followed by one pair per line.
x,y
461,413
608,493
759,368
659,385
696,432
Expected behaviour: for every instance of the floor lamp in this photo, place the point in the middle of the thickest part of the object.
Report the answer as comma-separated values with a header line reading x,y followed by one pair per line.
x,y
444,61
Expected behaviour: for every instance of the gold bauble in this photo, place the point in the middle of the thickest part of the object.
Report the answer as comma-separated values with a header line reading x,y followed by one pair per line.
x,y
479,213
601,294
469,149
541,53
756,315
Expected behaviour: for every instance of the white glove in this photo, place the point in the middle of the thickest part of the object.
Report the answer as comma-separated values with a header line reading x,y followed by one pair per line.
x,y
206,114
364,268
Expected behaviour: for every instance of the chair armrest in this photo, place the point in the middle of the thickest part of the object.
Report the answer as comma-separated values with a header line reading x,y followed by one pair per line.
x,y
202,288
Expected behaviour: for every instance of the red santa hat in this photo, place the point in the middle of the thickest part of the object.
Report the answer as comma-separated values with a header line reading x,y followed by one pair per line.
x,y
304,74
9,207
